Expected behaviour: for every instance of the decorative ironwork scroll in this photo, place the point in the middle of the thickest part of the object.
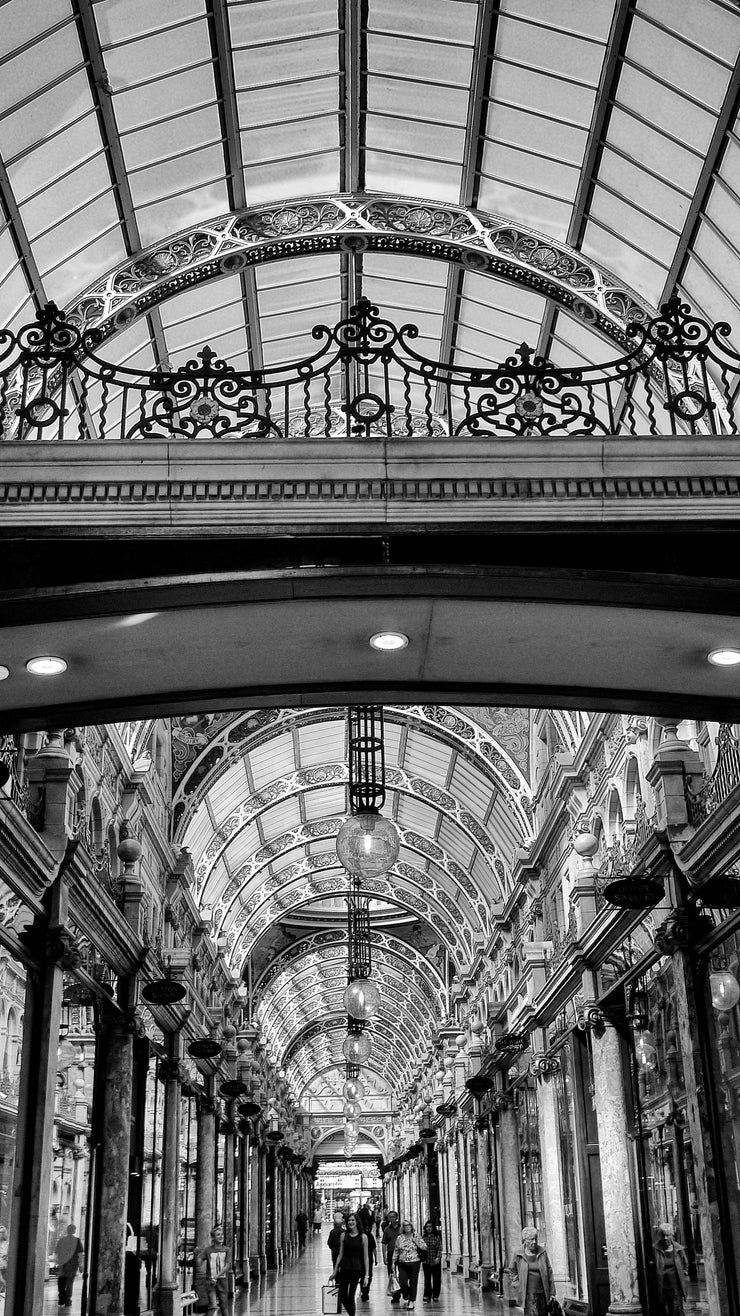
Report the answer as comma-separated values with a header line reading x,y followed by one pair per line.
x,y
367,382
724,778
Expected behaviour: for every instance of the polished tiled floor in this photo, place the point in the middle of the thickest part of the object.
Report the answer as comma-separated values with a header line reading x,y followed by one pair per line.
x,y
296,1290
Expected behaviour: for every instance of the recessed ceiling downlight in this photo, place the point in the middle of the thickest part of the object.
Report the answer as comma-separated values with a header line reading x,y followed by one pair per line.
x,y
4,672
46,665
388,641
724,657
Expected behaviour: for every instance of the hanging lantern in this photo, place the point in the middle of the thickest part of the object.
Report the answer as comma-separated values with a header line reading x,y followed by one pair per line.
x,y
368,845
645,1049
362,999
357,1048
724,988
354,1089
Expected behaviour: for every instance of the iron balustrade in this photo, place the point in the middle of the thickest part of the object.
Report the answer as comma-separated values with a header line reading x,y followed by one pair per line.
x,y
366,381
717,787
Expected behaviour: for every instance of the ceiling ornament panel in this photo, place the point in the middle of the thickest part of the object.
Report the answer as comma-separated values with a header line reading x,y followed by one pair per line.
x,y
485,243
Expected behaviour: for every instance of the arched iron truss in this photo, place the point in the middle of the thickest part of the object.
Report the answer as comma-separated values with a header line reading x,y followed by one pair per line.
x,y
328,942
249,731
321,1042
298,885
485,243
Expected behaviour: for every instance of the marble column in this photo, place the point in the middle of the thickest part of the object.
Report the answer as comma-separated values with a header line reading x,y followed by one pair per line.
x,y
444,1198
205,1171
616,1187
465,1191
28,1240
553,1236
454,1185
242,1243
112,1209
228,1209
169,1282
255,1244
485,1205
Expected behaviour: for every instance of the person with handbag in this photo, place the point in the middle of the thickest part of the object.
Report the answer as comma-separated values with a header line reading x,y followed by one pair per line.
x,y
407,1261
352,1263
531,1270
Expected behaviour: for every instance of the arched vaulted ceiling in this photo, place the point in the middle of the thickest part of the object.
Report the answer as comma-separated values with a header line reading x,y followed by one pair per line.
x,y
259,799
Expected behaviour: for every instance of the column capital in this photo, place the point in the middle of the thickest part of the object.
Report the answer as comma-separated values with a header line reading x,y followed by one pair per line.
x,y
543,1066
591,1018
63,949
681,930
170,1071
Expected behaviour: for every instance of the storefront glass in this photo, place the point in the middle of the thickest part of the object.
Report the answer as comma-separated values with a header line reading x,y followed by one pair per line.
x,y
529,1153
152,1188
12,1006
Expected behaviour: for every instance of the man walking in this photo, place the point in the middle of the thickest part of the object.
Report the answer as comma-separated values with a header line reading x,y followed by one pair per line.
x,y
218,1271
388,1243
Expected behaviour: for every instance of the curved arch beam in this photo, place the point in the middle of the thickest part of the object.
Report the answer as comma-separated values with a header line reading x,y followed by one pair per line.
x,y
304,780
452,894
403,1004
299,885
397,1059
336,1131
485,243
324,943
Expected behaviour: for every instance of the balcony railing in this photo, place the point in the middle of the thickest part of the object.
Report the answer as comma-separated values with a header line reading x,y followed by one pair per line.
x,y
366,381
724,778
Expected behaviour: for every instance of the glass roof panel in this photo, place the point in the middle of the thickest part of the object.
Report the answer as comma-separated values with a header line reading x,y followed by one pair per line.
x,y
45,113
158,220
66,195
148,57
46,161
256,21
35,67
301,176
170,94
119,20
75,232
71,276
144,146
166,176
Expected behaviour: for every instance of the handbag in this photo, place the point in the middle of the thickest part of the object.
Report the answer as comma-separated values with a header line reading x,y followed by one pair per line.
x,y
393,1286
329,1296
554,1308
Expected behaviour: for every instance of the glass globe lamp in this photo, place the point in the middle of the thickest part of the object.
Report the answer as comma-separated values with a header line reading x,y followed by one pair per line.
x,y
357,1048
645,1050
351,1110
368,845
725,989
362,998
354,1089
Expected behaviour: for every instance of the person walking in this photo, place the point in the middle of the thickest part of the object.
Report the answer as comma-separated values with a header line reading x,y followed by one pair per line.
x,y
372,1251
432,1263
407,1262
318,1220
670,1271
216,1258
531,1270
301,1224
352,1264
68,1250
387,1243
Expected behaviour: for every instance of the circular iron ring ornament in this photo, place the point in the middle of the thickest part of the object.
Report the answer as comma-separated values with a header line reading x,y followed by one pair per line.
x,y
490,244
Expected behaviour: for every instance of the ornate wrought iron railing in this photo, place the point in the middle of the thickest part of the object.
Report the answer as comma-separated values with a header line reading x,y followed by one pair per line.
x,y
622,857
365,380
725,777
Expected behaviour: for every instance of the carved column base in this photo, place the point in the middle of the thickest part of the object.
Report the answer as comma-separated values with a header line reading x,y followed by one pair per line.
x,y
624,1309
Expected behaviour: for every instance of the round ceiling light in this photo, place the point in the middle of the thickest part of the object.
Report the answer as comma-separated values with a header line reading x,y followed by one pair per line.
x,y
724,657
388,641
46,665
4,672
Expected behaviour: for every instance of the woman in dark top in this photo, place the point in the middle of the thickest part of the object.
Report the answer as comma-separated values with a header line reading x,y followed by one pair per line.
x,y
352,1263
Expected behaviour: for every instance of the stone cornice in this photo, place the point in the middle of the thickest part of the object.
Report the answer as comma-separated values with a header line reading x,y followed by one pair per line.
x,y
226,484
26,863
104,925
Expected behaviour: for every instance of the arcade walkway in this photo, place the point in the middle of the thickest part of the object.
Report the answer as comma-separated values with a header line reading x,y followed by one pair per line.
x,y
296,1291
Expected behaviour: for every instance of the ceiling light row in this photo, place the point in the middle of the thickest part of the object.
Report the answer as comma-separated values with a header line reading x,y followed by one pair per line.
x,y
45,664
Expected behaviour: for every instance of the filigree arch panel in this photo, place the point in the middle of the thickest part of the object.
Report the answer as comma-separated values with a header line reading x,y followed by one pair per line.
x,y
317,778
495,757
369,1134
376,1087
316,990
321,1044
485,243
298,885
327,944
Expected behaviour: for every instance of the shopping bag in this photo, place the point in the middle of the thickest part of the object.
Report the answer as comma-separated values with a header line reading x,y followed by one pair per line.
x,y
554,1308
393,1287
329,1294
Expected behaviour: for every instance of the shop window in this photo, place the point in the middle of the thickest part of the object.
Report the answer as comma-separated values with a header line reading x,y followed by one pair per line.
x,y
565,1105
